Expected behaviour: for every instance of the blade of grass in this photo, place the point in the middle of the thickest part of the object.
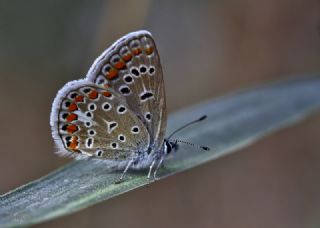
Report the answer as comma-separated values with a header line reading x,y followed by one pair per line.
x,y
233,122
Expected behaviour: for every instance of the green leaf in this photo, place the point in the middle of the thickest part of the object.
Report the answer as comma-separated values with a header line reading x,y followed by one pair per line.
x,y
233,122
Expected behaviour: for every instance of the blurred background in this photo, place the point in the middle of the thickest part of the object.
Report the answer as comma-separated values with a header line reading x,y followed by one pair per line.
x,y
208,49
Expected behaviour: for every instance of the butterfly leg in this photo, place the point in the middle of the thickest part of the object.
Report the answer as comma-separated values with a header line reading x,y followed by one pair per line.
x,y
124,172
158,166
150,169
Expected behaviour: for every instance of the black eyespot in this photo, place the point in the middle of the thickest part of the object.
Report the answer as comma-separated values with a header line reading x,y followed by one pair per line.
x,y
91,132
134,44
106,68
135,129
124,51
121,109
106,106
92,107
64,115
89,114
148,116
128,79
89,142
114,145
146,96
86,90
121,138
73,95
116,59
135,72
113,125
143,69
125,90
64,127
67,103
68,138
151,70
99,153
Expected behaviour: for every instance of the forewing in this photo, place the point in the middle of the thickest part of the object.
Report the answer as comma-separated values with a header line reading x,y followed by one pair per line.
x,y
131,66
90,120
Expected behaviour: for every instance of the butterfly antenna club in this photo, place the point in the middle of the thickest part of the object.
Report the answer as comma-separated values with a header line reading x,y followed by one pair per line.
x,y
187,125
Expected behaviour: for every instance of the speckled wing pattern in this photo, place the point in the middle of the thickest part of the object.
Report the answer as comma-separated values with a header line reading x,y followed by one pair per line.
x,y
89,120
118,110
131,66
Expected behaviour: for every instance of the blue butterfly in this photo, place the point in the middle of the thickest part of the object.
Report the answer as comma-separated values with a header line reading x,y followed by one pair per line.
x,y
118,112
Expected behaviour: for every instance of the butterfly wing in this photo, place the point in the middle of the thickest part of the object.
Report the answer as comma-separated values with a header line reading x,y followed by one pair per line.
x,y
131,66
89,120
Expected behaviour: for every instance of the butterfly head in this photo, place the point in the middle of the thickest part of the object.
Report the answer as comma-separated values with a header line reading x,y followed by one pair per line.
x,y
170,146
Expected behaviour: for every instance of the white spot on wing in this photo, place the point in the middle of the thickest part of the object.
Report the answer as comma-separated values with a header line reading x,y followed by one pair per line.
x,y
89,142
121,109
111,126
92,106
114,145
106,106
135,130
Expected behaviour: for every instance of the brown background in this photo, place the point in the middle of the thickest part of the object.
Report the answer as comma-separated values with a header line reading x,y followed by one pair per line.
x,y
208,48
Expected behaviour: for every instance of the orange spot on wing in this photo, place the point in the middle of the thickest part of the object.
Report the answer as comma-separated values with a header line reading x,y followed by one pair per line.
x,y
72,117
136,51
73,143
93,94
149,50
127,57
78,98
119,65
72,128
73,107
106,94
113,73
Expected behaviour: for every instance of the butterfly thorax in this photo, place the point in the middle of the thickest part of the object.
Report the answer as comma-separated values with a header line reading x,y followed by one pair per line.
x,y
145,159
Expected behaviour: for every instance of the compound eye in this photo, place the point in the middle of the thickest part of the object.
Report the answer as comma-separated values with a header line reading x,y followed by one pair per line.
x,y
168,147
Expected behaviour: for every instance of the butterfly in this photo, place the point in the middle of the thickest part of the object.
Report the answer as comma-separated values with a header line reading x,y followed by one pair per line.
x,y
117,113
